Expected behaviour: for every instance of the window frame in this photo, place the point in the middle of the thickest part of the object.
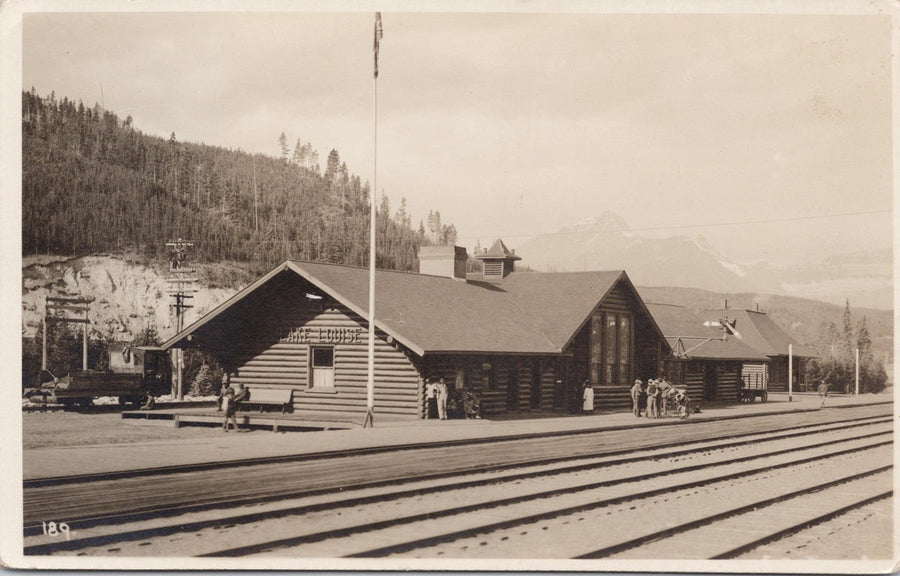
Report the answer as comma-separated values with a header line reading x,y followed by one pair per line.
x,y
311,385
608,367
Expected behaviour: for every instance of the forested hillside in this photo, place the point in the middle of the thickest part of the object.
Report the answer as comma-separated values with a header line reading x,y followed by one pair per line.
x,y
92,182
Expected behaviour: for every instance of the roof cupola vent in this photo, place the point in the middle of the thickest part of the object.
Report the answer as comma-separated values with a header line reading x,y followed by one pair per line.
x,y
498,262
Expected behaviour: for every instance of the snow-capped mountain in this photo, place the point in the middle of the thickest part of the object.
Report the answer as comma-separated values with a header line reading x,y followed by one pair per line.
x,y
606,242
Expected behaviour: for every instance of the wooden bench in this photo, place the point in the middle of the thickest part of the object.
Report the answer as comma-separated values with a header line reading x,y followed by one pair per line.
x,y
265,397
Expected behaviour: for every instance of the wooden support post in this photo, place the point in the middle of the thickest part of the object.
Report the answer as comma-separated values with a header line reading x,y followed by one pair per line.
x,y
44,343
790,372
84,345
180,391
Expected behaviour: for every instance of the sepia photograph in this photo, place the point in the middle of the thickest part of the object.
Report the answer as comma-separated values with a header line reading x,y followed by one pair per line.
x,y
501,286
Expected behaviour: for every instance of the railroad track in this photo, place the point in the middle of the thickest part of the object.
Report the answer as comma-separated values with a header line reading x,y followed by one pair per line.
x,y
466,513
120,497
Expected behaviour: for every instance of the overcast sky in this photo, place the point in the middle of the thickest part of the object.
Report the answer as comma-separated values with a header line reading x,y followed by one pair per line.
x,y
513,124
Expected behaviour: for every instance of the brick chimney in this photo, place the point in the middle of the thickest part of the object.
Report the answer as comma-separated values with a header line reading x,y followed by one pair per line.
x,y
447,261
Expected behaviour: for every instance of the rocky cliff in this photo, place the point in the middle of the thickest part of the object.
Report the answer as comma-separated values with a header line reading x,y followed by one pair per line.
x,y
128,295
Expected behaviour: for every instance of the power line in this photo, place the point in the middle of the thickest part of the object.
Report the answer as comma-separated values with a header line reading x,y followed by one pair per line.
x,y
685,226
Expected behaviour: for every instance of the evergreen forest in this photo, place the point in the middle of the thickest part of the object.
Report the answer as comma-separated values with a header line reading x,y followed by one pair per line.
x,y
93,183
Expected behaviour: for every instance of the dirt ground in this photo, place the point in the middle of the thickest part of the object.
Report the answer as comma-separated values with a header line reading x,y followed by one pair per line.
x,y
58,428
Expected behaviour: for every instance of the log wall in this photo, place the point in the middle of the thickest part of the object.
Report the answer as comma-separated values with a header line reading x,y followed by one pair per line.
x,y
489,378
279,357
729,382
693,381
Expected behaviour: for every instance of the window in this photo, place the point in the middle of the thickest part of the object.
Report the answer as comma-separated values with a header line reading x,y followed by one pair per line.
x,y
610,349
322,373
460,378
596,349
488,376
624,349
610,375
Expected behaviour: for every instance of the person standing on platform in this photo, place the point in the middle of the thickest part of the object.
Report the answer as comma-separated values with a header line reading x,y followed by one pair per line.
x,y
636,391
441,394
430,400
228,406
587,398
652,397
665,392
823,392
240,395
226,384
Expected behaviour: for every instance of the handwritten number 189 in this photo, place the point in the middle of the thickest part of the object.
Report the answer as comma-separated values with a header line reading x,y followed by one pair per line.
x,y
53,529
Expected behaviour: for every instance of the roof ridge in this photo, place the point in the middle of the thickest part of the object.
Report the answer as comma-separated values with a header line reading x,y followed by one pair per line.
x,y
355,267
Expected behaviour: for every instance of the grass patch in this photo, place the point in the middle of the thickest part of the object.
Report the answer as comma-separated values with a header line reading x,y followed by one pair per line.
x,y
58,429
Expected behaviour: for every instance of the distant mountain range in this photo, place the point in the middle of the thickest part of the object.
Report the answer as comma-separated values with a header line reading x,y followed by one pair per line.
x,y
606,242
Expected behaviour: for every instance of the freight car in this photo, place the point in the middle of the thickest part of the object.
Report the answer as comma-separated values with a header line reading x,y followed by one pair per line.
x,y
134,374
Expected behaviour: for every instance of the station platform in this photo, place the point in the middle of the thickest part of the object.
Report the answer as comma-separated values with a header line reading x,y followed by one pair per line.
x,y
261,443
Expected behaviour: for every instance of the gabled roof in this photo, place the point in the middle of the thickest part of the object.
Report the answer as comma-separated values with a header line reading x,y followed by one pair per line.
x,y
432,313
527,313
760,332
560,302
688,336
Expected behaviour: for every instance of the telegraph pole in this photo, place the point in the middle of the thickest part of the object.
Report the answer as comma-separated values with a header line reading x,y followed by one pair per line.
x,y
181,282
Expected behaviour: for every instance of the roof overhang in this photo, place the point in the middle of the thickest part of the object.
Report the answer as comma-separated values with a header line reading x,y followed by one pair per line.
x,y
296,268
177,339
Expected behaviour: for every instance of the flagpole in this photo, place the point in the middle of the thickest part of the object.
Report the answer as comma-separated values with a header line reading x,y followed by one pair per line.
x,y
370,383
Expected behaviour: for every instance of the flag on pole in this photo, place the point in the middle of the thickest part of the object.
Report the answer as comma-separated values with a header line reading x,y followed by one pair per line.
x,y
379,32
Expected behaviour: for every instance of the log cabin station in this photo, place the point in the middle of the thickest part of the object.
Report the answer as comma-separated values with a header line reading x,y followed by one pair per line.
x,y
523,343
708,357
520,341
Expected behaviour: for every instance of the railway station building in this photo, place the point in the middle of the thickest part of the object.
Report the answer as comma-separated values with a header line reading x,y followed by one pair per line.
x,y
705,356
519,341
758,331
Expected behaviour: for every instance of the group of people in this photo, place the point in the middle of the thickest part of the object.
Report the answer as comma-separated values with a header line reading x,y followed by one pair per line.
x,y
229,400
436,394
656,398
441,403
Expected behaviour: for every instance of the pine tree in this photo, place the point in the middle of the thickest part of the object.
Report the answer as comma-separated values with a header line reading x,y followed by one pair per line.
x,y
333,166
283,145
864,343
847,332
297,158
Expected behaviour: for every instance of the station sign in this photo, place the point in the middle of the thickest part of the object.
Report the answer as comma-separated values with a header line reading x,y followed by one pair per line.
x,y
323,335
